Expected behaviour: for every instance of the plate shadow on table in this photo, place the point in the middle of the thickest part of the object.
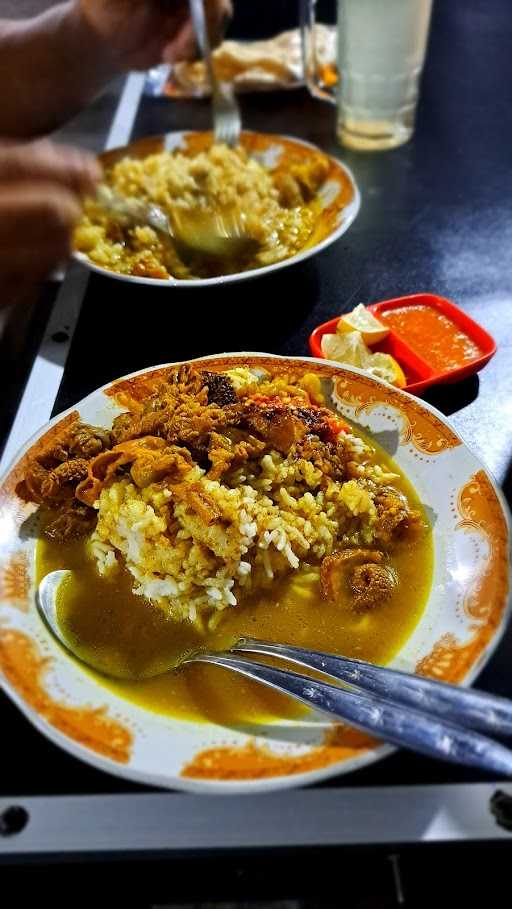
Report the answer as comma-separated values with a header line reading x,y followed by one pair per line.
x,y
307,732
507,483
451,398
257,315
496,676
125,327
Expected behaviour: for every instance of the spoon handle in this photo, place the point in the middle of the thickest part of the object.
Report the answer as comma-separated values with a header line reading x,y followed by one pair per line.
x,y
201,31
464,706
389,721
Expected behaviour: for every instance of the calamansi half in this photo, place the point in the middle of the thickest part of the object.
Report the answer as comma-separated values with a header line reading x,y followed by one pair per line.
x,y
362,320
384,366
351,349
346,348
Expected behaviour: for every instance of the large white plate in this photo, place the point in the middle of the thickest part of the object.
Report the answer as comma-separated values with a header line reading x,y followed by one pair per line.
x,y
460,626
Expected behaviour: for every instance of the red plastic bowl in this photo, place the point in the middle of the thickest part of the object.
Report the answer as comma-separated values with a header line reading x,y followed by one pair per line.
x,y
419,374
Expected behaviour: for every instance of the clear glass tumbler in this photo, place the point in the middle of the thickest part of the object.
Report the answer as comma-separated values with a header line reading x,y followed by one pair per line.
x,y
380,55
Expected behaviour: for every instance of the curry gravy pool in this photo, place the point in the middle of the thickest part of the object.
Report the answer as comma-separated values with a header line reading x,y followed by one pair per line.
x,y
103,618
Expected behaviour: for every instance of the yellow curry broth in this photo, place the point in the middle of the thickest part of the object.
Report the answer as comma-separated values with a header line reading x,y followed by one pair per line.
x,y
124,632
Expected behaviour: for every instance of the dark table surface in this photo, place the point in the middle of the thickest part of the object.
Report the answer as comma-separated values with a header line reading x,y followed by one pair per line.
x,y
436,216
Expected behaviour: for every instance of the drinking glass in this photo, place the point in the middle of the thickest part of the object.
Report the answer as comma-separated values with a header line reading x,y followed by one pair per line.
x,y
381,48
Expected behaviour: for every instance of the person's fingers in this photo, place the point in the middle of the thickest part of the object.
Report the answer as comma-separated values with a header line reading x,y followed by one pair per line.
x,y
183,45
83,169
44,160
36,225
14,290
36,211
218,15
31,264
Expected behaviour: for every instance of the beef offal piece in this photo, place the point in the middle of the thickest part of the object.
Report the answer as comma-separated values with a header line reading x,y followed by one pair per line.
x,y
73,521
334,569
371,585
220,389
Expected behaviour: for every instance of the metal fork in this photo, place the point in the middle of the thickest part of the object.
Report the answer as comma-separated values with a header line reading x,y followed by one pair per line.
x,y
226,114
427,730
465,706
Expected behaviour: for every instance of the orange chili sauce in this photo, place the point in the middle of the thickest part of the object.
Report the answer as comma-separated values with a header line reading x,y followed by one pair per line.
x,y
432,335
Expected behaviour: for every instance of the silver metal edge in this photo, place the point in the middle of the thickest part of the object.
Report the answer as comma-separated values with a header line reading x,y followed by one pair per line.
x,y
364,816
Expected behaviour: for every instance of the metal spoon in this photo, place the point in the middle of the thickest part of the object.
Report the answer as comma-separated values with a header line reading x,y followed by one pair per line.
x,y
215,233
411,728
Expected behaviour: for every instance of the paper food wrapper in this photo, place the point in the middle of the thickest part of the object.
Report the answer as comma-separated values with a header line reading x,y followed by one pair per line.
x,y
252,66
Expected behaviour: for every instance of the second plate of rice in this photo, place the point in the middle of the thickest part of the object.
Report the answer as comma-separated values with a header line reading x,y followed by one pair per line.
x,y
294,201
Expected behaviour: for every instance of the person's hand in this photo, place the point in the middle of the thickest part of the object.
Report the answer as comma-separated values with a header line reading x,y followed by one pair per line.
x,y
141,33
41,186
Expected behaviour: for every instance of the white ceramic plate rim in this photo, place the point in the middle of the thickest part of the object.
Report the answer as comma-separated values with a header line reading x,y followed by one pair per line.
x,y
236,787
349,214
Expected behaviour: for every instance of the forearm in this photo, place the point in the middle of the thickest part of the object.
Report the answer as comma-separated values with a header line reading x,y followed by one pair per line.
x,y
50,67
